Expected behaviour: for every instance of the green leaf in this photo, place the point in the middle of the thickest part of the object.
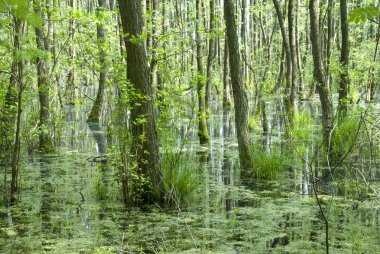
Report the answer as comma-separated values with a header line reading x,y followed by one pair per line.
x,y
362,14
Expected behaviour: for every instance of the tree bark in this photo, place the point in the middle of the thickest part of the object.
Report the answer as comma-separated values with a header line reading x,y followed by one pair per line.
x,y
211,54
289,89
145,144
344,58
239,93
318,72
71,74
42,64
202,124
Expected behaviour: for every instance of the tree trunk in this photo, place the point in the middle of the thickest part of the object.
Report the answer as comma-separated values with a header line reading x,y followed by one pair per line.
x,y
239,93
211,54
43,43
289,98
319,79
344,57
226,74
145,145
71,74
202,125
96,109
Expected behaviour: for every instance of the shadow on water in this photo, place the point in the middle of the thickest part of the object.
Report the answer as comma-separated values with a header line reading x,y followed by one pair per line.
x,y
71,203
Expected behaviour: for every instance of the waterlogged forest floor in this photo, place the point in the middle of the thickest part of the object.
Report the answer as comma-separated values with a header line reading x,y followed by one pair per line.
x,y
70,204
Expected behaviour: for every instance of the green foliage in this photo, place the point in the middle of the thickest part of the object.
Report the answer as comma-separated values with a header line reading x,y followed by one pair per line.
x,y
21,10
303,126
360,15
344,137
267,164
180,178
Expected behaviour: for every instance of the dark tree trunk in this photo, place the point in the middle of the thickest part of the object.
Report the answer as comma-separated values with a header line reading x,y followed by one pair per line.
x,y
319,79
202,125
96,109
145,145
239,93
211,55
344,57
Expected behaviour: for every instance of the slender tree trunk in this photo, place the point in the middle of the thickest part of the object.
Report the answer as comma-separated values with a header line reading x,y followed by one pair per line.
x,y
330,29
9,134
319,78
293,52
226,74
211,54
344,57
96,109
202,125
289,88
145,145
71,74
239,93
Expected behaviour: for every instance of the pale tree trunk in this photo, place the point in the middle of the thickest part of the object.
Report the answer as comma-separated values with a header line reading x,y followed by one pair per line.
x,y
96,109
226,75
202,124
145,144
238,90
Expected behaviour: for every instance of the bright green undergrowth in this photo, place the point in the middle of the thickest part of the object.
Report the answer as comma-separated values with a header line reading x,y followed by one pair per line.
x,y
267,164
180,178
345,137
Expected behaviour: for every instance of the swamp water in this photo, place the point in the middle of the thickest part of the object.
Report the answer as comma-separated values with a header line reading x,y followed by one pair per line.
x,y
69,204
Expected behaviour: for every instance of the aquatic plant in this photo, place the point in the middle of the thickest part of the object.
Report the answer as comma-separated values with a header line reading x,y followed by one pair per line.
x,y
267,164
180,178
303,126
344,137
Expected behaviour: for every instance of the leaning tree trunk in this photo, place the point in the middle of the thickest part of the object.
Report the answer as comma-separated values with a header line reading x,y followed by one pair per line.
x,y
43,43
344,57
145,145
239,93
202,125
319,79
96,110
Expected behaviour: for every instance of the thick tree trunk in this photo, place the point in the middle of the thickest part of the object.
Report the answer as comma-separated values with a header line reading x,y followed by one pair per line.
x,y
43,43
96,109
145,146
319,78
202,124
344,57
239,93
